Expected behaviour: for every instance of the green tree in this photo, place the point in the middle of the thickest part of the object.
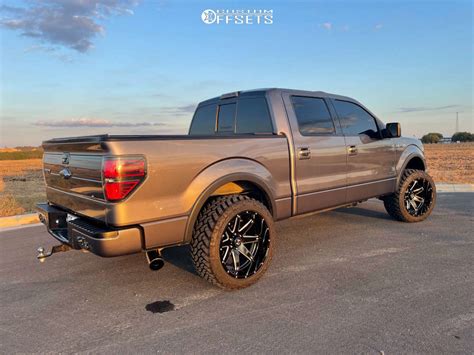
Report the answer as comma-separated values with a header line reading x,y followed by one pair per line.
x,y
462,137
432,138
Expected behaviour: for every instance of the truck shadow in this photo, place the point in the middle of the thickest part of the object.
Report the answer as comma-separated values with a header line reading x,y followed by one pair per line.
x,y
179,256
364,212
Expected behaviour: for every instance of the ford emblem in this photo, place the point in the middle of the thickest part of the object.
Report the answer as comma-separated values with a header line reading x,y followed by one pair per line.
x,y
66,158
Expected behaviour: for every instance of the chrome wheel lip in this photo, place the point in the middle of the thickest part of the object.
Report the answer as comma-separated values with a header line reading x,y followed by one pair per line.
x,y
244,244
418,197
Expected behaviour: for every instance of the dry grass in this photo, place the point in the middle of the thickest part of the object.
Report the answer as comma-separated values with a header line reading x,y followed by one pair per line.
x,y
451,163
18,167
21,153
22,186
9,206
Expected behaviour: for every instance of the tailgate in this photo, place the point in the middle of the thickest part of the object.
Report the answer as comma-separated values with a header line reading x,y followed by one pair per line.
x,y
74,172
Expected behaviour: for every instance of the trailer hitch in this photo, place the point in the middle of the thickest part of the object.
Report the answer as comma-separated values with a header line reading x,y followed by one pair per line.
x,y
43,254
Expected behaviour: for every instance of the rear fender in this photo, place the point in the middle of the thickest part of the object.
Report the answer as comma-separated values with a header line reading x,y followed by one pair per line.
x,y
221,173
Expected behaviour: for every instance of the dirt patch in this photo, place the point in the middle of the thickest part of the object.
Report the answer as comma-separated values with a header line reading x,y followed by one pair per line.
x,y
451,163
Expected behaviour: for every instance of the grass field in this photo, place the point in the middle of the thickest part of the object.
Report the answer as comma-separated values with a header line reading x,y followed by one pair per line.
x,y
21,181
21,153
21,186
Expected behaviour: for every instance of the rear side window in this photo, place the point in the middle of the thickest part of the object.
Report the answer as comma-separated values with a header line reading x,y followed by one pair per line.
x,y
226,119
253,116
204,121
355,120
247,116
312,115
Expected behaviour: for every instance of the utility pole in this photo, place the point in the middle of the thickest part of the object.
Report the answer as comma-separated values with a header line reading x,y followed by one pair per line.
x,y
457,122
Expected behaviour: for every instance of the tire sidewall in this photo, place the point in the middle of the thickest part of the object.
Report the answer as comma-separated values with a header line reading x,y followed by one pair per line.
x,y
221,275
403,188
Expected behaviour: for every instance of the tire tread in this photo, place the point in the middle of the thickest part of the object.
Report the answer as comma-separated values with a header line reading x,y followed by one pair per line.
x,y
393,202
202,233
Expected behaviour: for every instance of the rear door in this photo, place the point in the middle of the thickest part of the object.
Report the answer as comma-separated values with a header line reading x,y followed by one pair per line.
x,y
320,149
370,158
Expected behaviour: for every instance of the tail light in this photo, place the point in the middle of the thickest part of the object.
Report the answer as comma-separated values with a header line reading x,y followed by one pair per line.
x,y
121,175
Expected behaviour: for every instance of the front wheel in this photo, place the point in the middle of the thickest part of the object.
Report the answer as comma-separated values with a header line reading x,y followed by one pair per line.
x,y
414,199
233,241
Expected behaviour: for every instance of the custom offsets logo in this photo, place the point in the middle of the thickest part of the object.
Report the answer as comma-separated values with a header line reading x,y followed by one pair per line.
x,y
237,17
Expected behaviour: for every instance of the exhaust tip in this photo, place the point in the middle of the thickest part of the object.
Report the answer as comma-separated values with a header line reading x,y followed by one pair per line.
x,y
155,261
156,264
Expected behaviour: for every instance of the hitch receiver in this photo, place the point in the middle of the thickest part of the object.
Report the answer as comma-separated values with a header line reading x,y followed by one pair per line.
x,y
42,254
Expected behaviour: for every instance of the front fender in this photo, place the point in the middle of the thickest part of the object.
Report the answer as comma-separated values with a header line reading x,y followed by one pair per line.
x,y
220,173
410,152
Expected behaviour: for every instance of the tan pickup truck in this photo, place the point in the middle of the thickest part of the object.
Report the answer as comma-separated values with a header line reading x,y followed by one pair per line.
x,y
250,158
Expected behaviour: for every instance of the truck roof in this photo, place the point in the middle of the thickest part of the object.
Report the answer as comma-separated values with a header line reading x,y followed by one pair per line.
x,y
264,91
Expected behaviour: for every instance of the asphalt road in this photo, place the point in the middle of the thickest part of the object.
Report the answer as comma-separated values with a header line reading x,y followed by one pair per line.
x,y
351,281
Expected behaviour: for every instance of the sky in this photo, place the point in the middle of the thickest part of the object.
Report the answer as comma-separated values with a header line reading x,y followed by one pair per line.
x,y
78,67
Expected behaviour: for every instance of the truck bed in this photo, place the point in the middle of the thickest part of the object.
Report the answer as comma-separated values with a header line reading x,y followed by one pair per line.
x,y
178,169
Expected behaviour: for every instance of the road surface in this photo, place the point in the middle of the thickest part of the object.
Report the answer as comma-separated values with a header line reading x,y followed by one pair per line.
x,y
349,281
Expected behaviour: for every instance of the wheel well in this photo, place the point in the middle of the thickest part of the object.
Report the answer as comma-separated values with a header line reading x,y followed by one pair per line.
x,y
246,188
415,163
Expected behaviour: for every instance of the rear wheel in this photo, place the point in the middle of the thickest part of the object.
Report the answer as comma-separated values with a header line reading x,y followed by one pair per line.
x,y
233,241
414,199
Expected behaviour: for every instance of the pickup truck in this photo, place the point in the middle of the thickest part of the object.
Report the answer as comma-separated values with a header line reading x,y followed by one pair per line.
x,y
250,158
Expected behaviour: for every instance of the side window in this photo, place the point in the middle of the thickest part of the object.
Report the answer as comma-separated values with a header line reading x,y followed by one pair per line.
x,y
226,118
204,121
253,116
355,120
313,115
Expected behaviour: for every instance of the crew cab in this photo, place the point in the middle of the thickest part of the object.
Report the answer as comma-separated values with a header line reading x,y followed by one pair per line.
x,y
250,158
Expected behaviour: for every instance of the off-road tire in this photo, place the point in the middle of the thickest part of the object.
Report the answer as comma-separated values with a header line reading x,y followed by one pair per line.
x,y
209,230
395,203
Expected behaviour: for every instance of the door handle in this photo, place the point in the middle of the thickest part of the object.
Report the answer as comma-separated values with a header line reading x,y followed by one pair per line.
x,y
352,150
304,153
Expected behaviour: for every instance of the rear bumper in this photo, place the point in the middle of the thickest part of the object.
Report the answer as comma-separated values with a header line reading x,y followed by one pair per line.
x,y
81,233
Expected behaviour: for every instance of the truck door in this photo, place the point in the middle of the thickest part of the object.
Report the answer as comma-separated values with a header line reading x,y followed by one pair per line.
x,y
370,157
320,153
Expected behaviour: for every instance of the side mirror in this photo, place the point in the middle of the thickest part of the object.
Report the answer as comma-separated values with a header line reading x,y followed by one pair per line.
x,y
394,130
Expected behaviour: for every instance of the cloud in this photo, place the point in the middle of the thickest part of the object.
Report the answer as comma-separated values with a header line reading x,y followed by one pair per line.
x,y
326,25
378,26
179,110
65,23
420,109
93,122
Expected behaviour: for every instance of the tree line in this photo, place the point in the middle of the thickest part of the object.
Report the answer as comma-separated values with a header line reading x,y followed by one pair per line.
x,y
457,137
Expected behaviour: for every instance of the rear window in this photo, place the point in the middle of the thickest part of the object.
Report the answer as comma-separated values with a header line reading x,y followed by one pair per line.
x,y
253,116
204,121
226,119
247,116
312,115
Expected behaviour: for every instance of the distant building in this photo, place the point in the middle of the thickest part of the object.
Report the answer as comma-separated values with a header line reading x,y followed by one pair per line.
x,y
445,140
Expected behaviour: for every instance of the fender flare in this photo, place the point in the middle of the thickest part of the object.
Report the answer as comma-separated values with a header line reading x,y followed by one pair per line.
x,y
253,177
412,151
